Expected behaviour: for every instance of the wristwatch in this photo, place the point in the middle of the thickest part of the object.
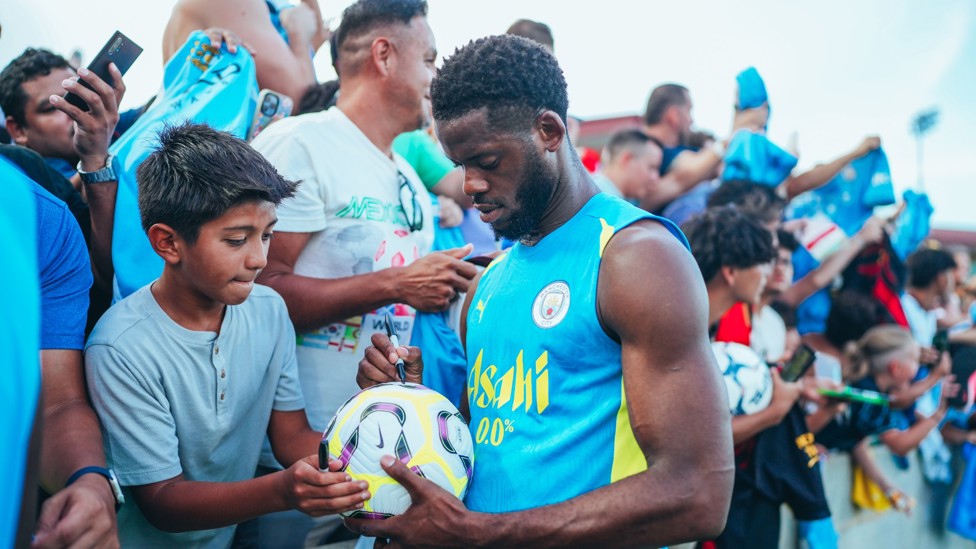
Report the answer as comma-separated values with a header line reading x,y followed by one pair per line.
x,y
109,476
99,176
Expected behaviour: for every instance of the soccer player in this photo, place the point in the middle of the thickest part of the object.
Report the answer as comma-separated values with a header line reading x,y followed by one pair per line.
x,y
587,340
188,373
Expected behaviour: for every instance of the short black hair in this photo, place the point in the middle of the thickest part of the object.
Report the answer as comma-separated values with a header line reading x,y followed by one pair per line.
x,y
628,139
851,315
786,312
31,64
366,15
533,30
787,240
197,173
753,199
725,237
925,265
319,97
661,99
514,77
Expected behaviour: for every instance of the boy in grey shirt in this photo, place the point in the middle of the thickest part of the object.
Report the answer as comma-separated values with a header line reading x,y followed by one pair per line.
x,y
189,373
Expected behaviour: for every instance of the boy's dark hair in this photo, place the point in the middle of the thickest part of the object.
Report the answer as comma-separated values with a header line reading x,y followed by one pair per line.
x,y
197,173
787,240
724,237
533,30
319,97
629,139
367,15
851,315
27,66
661,99
785,311
753,199
514,77
925,265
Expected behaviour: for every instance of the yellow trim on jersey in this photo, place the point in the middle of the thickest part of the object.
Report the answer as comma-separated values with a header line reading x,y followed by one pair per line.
x,y
628,459
606,232
494,262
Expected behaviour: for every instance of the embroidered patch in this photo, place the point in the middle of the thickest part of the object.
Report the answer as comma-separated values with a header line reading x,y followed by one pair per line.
x,y
551,305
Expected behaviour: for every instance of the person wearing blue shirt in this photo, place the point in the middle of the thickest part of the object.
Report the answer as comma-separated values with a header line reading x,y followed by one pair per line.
x,y
608,368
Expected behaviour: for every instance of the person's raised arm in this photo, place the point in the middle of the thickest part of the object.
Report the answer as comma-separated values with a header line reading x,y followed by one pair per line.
x,y
902,442
672,387
427,284
283,67
822,173
872,232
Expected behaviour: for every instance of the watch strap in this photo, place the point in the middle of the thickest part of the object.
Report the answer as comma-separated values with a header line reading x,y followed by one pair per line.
x,y
103,175
109,476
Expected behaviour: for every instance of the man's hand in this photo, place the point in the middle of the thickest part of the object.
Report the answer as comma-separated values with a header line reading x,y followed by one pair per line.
x,y
432,282
379,363
435,517
316,493
869,144
944,366
949,391
81,515
219,36
753,120
93,129
928,355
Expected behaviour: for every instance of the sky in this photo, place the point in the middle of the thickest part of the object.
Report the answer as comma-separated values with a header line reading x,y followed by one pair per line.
x,y
836,71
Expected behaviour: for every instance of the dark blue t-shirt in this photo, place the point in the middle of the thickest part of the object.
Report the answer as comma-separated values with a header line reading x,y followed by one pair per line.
x,y
670,153
860,421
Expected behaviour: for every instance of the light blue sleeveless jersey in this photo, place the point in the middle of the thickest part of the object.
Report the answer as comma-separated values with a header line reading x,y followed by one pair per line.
x,y
545,384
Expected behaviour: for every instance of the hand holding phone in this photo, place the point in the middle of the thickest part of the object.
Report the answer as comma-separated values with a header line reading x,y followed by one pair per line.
x,y
799,363
119,50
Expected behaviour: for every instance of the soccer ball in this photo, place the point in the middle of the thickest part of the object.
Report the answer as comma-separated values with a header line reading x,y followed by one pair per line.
x,y
747,377
411,422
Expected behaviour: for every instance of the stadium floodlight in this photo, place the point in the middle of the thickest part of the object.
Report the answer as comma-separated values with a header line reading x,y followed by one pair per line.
x,y
923,123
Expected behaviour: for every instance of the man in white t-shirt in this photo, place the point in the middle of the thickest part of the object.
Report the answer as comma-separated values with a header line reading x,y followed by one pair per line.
x,y
353,244
630,165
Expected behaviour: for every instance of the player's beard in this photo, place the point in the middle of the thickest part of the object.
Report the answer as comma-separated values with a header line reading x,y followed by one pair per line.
x,y
535,190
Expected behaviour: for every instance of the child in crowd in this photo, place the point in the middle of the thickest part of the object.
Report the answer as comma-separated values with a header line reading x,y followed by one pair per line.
x,y
189,373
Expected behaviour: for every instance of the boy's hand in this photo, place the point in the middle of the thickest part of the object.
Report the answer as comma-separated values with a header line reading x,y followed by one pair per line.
x,y
316,493
785,393
379,363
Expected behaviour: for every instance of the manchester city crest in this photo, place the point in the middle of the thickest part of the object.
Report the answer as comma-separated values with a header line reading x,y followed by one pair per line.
x,y
551,305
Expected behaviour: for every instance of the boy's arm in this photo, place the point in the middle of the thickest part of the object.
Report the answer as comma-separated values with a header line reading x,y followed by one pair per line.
x,y
180,505
746,426
903,398
291,437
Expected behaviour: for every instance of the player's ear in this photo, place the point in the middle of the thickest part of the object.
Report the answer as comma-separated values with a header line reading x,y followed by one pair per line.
x,y
727,273
166,242
551,130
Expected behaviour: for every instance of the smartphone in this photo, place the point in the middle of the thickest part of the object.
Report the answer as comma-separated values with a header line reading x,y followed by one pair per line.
x,y
119,50
272,106
798,365
941,341
480,260
851,394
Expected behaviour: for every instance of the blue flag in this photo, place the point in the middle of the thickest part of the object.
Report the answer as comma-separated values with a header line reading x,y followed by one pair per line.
x,y
913,225
753,157
962,516
752,89
201,85
850,197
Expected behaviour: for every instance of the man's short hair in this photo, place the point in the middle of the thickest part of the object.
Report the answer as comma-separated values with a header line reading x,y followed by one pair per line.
x,y
753,199
725,237
662,98
197,173
31,64
630,139
787,240
513,77
851,315
366,16
533,30
925,265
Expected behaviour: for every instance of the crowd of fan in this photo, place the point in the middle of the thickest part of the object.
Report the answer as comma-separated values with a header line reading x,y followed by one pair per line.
x,y
788,257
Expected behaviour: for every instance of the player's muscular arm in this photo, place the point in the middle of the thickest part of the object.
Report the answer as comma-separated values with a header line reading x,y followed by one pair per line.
x,y
428,284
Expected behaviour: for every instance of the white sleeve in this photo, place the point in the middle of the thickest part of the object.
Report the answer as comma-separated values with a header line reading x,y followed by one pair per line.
x,y
304,212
